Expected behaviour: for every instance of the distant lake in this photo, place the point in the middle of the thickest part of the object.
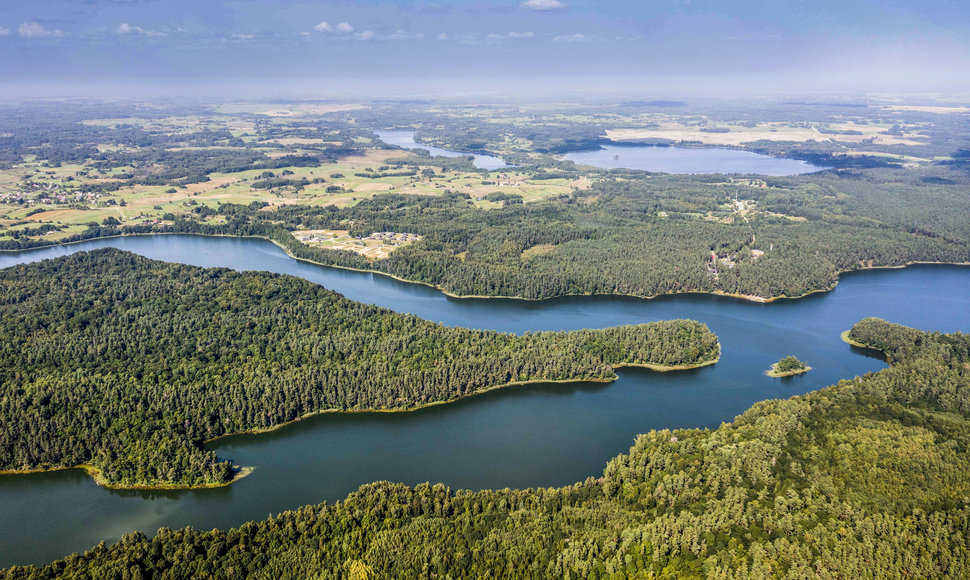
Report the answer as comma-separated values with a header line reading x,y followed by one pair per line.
x,y
539,435
406,140
689,160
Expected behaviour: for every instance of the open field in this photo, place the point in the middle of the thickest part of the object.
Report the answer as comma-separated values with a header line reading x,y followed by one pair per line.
x,y
342,183
738,135
293,110
929,109
139,165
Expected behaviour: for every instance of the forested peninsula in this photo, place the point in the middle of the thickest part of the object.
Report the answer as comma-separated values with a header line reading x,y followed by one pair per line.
x,y
868,478
127,365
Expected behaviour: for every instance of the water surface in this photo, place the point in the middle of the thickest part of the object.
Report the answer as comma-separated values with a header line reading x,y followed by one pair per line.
x,y
546,435
405,139
689,160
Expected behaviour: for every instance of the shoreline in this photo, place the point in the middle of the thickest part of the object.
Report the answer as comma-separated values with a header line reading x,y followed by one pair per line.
x,y
848,340
243,471
777,375
95,474
649,366
745,297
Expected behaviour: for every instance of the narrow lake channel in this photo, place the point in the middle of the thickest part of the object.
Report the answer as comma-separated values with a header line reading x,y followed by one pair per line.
x,y
541,435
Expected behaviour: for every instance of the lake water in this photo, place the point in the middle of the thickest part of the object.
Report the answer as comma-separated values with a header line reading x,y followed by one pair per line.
x,y
546,435
405,139
689,160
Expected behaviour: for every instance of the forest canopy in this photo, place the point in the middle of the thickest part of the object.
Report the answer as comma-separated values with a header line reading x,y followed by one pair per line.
x,y
868,478
129,364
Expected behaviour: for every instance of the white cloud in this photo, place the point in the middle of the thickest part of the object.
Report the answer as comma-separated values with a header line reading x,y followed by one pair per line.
x,y
345,27
401,34
322,27
365,35
522,35
442,36
493,36
241,36
36,30
542,4
571,38
4,31
125,28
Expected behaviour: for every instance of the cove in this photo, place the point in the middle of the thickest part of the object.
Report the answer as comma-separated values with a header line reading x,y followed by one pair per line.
x,y
689,160
537,435
405,139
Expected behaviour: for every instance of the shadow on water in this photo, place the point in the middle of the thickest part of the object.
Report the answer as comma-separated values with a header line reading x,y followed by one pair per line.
x,y
868,352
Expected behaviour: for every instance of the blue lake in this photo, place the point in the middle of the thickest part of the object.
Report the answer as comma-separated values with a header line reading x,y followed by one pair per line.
x,y
405,139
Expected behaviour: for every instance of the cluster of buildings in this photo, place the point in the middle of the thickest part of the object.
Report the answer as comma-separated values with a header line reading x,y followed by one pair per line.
x,y
390,237
48,197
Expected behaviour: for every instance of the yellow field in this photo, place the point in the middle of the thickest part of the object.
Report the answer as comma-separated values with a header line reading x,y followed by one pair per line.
x,y
928,109
740,135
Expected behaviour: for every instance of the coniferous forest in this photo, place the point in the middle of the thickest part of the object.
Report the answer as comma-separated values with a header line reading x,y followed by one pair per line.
x,y
808,487
127,364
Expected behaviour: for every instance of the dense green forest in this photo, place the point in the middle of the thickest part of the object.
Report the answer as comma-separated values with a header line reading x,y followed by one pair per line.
x,y
640,234
868,478
128,364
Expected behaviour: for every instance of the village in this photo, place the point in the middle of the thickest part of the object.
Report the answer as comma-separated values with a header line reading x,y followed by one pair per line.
x,y
49,198
29,192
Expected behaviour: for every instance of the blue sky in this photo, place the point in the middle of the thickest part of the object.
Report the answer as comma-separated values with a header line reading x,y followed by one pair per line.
x,y
706,47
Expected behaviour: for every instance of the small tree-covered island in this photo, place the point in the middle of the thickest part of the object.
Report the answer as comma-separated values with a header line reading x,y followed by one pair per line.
x,y
126,366
787,367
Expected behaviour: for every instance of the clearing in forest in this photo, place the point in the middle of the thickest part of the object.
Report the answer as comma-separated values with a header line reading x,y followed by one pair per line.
x,y
376,246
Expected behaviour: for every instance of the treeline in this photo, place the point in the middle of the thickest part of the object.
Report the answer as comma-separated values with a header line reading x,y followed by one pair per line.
x,y
868,479
181,167
638,235
619,238
130,364
633,233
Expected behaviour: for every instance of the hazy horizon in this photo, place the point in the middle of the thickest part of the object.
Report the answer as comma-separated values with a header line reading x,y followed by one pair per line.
x,y
258,49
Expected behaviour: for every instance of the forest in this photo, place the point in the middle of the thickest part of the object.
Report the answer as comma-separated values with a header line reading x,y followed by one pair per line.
x,y
867,478
642,235
130,365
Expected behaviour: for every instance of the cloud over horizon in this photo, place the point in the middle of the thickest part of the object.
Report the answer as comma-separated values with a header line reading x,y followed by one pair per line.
x,y
126,28
831,43
34,29
542,5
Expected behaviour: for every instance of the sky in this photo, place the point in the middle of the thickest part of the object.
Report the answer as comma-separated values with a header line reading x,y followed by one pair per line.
x,y
290,48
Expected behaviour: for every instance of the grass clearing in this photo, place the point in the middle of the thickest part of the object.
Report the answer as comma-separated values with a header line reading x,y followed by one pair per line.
x,y
376,246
